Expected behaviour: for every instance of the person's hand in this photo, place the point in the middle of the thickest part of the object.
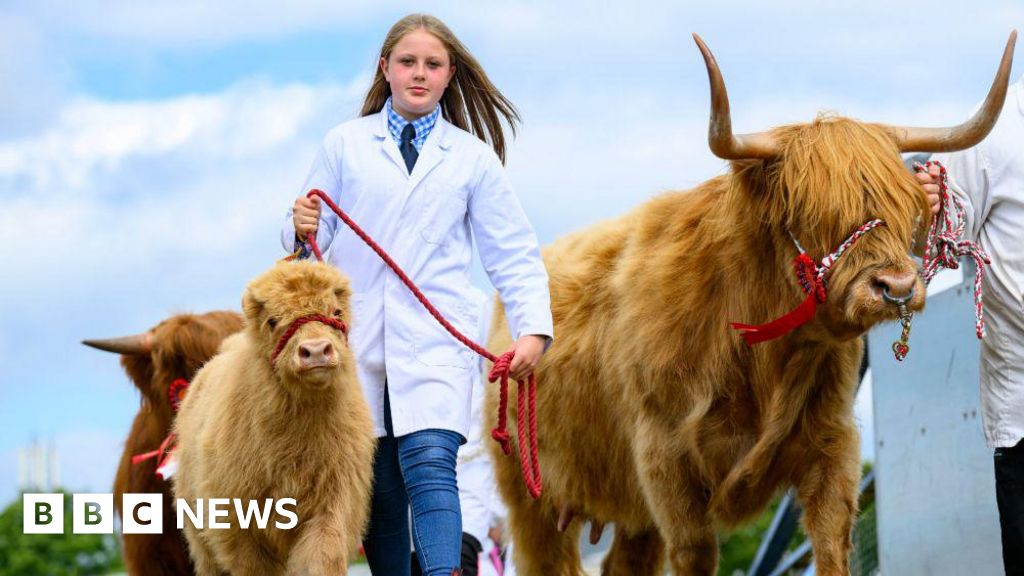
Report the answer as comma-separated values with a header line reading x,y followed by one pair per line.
x,y
306,216
528,349
930,182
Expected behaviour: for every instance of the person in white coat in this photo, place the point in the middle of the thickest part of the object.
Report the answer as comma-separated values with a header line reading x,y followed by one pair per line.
x,y
408,172
989,181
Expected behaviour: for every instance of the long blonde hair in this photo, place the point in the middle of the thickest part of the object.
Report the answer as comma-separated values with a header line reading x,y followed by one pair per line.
x,y
470,102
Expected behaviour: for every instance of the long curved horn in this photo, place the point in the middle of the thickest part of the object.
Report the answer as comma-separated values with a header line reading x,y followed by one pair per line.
x,y
970,132
128,345
722,141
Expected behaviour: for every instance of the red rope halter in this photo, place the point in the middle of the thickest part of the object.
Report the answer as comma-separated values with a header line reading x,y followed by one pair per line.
x,y
944,248
812,279
527,431
299,323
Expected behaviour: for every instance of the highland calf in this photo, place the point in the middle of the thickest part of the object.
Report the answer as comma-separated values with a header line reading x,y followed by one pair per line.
x,y
172,350
653,413
277,414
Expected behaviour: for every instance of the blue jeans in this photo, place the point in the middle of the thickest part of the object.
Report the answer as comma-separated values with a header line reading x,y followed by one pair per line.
x,y
418,470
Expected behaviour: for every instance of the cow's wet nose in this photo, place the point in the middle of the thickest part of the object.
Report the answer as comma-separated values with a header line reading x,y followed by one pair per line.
x,y
314,353
896,285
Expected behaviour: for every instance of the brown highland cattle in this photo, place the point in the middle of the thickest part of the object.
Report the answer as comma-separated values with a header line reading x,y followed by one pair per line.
x,y
653,413
279,413
175,348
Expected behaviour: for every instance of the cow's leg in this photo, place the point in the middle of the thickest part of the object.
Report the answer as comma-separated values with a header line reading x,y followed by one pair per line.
x,y
245,556
155,554
141,555
203,560
827,490
677,502
634,555
321,549
135,553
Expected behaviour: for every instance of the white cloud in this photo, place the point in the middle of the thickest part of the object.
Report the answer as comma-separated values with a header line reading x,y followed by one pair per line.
x,y
758,29
196,24
93,138
190,178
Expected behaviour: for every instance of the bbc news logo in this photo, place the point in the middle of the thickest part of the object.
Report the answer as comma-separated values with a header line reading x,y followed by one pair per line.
x,y
144,513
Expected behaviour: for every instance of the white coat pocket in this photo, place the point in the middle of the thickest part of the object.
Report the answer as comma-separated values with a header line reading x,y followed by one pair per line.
x,y
444,207
435,346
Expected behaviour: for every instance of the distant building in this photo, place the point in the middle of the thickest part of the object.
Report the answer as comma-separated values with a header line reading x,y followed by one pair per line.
x,y
38,470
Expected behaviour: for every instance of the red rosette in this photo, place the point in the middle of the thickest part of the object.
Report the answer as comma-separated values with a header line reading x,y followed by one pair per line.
x,y
807,273
176,393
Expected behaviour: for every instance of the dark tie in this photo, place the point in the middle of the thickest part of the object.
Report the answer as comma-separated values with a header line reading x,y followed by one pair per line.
x,y
408,151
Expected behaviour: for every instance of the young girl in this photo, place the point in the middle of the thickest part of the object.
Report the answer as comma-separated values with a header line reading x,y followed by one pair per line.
x,y
415,173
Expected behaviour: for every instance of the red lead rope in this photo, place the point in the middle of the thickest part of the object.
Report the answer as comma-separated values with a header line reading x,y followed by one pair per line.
x,y
528,459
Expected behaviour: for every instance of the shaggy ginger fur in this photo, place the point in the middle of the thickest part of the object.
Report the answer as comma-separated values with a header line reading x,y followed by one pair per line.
x,y
179,346
253,432
655,415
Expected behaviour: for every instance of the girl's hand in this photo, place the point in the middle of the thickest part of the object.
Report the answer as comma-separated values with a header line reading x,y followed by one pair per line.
x,y
306,216
528,349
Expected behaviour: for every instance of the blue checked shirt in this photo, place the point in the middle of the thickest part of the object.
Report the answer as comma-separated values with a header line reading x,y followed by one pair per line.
x,y
422,125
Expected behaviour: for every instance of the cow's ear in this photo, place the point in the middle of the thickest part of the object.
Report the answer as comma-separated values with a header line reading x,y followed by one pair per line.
x,y
342,296
252,306
342,293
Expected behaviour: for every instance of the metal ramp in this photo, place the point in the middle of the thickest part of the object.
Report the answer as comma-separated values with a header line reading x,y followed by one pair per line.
x,y
936,486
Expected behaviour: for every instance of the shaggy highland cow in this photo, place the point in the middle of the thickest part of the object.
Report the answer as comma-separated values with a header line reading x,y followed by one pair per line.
x,y
172,350
653,413
279,413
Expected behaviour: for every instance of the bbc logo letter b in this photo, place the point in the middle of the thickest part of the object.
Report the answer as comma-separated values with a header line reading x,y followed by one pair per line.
x,y
93,514
43,514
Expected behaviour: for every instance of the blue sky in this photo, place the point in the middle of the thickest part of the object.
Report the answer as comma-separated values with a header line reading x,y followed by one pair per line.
x,y
148,150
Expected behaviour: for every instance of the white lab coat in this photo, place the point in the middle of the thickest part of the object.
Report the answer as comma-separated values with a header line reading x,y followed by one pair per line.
x,y
426,221
989,179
